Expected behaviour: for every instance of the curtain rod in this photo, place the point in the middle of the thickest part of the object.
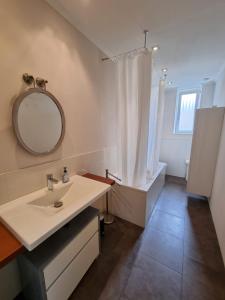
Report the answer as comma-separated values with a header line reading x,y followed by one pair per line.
x,y
136,49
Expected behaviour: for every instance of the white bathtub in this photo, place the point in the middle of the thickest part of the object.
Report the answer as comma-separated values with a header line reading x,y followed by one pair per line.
x,y
136,204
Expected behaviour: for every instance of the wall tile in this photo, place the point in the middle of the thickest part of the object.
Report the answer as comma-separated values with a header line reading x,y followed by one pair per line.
x,y
4,197
21,182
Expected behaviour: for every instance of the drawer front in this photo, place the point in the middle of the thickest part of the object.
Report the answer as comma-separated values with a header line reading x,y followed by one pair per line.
x,y
69,279
60,262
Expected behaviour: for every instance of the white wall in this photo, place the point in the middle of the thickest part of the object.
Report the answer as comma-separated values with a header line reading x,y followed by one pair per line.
x,y
36,39
175,148
219,98
217,201
207,94
109,117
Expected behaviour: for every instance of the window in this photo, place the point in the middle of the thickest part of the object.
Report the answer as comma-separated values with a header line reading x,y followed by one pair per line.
x,y
187,103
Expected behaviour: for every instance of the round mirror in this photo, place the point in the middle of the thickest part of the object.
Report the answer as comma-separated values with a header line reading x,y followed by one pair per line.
x,y
38,121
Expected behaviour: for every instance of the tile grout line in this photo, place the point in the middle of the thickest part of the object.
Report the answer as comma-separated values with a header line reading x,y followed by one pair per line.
x,y
183,241
164,231
160,263
167,232
168,213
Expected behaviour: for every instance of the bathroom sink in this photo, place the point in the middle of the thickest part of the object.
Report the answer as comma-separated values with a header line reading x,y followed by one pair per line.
x,y
48,200
64,194
33,218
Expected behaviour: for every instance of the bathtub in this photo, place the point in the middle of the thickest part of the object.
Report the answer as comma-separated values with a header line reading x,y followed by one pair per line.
x,y
136,204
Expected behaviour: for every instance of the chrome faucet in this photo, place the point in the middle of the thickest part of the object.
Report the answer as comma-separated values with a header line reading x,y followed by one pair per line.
x,y
51,181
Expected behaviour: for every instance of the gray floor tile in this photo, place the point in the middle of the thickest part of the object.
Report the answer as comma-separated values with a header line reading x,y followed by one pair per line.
x,y
163,247
167,223
203,250
201,282
150,280
172,202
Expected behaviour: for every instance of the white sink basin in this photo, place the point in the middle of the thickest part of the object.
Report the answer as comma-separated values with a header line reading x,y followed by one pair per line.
x,y
33,218
47,202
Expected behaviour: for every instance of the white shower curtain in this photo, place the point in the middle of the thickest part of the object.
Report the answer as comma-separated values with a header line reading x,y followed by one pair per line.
x,y
134,92
155,127
159,123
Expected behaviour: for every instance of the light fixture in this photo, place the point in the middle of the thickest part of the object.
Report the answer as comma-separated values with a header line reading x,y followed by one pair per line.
x,y
155,48
164,70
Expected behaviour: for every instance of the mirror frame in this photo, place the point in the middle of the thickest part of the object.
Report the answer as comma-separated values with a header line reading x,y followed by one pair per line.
x,y
15,110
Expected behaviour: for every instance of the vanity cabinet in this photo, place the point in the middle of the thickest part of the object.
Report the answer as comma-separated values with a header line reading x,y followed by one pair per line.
x,y
53,270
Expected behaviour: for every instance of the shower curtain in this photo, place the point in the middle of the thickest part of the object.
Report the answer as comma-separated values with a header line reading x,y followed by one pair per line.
x,y
134,93
155,127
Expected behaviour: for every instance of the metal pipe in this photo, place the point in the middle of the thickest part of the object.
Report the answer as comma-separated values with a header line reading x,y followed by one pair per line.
x,y
145,33
115,56
107,195
108,218
107,203
110,174
136,49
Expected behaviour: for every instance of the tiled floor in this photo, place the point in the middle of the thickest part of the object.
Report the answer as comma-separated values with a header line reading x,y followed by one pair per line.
x,y
176,257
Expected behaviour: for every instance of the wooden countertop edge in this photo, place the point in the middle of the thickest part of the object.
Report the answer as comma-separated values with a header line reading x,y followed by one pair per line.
x,y
10,247
99,178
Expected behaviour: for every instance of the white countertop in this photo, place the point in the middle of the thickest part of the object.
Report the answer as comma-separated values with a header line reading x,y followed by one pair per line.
x,y
31,224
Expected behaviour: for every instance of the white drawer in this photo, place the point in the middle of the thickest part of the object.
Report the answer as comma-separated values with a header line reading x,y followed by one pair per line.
x,y
69,279
61,261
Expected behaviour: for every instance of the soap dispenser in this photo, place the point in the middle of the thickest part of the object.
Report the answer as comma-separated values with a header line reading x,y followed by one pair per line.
x,y
65,177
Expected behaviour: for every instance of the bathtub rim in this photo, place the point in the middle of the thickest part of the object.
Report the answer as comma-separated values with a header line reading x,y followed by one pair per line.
x,y
145,188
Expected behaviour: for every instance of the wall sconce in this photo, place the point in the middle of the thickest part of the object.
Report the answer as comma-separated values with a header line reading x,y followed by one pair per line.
x,y
41,83
28,79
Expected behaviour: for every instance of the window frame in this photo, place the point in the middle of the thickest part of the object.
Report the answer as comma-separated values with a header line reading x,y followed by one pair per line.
x,y
178,105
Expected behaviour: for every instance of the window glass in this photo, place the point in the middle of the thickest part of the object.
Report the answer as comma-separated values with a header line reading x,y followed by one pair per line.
x,y
186,112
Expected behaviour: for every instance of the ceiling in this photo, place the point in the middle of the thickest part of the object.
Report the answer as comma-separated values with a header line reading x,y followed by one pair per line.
x,y
191,34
